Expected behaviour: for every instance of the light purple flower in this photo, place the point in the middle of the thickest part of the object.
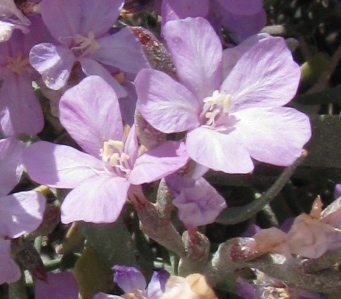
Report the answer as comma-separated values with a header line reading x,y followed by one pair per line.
x,y
198,203
132,282
134,285
84,38
100,177
59,286
129,279
228,121
241,18
20,111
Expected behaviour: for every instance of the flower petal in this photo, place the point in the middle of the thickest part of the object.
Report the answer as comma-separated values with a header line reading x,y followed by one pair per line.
x,y
197,55
128,104
272,240
199,205
274,136
9,270
122,50
232,55
99,16
181,9
241,27
166,104
60,285
54,63
129,279
157,284
331,214
21,213
99,199
91,114
218,151
62,17
59,166
310,238
131,146
19,107
7,29
159,162
92,67
242,7
10,164
265,76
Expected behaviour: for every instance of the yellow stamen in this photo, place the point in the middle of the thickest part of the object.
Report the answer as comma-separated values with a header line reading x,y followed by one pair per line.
x,y
216,104
86,44
112,152
17,64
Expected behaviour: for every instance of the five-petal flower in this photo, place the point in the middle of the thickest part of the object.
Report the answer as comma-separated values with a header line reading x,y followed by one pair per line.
x,y
228,121
100,177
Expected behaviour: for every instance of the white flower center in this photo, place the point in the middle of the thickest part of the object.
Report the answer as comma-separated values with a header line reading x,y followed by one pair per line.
x,y
275,293
17,64
216,108
112,153
85,45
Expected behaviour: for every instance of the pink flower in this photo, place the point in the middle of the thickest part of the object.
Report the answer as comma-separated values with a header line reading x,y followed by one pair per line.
x,y
100,177
85,38
199,203
228,120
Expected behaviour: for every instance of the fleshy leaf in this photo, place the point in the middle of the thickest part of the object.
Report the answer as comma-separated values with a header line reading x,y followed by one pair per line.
x,y
112,242
93,275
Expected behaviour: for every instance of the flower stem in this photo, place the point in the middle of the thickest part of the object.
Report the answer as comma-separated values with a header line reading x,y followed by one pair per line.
x,y
17,290
239,214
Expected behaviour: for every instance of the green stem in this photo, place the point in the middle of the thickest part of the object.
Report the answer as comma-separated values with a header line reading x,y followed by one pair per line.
x,y
17,290
38,243
52,265
236,215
